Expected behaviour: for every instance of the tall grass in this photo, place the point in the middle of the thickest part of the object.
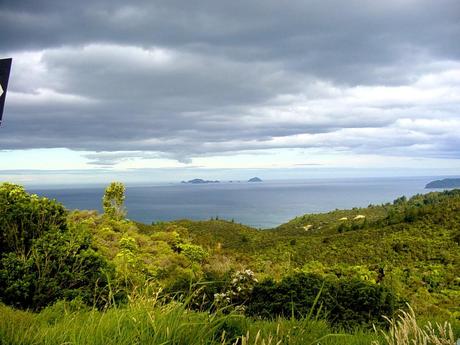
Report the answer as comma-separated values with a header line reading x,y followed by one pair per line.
x,y
139,323
405,330
148,321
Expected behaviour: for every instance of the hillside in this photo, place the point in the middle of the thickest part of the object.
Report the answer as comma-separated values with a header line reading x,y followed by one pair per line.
x,y
348,267
412,245
445,183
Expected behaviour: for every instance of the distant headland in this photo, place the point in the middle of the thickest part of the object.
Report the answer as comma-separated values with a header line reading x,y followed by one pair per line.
x,y
445,183
255,179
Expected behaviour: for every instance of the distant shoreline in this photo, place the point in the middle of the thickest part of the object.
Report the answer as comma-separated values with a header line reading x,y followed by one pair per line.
x,y
444,183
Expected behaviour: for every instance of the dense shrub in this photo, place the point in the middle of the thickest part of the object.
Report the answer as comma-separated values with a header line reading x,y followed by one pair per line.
x,y
60,266
345,302
41,259
357,302
193,252
293,296
24,217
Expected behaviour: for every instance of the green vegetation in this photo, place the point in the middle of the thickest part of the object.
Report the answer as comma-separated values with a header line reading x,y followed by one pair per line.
x,y
346,303
333,276
150,322
113,199
44,258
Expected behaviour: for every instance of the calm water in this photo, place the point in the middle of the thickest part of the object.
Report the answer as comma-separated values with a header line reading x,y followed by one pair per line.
x,y
263,205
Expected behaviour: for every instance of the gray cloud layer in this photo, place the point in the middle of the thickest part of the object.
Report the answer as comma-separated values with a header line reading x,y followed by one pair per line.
x,y
181,79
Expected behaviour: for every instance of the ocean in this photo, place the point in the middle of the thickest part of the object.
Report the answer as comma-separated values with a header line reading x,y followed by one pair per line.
x,y
261,205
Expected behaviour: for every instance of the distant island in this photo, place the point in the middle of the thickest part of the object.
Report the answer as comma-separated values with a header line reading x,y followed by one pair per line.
x,y
445,183
199,181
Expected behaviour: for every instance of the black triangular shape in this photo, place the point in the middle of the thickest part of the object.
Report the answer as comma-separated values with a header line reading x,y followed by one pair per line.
x,y
5,67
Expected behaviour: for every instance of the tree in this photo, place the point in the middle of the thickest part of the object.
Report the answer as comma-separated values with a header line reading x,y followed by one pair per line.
x,y
60,265
24,217
113,199
42,258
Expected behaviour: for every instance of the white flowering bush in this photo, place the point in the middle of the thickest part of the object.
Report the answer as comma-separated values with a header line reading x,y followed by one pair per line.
x,y
238,292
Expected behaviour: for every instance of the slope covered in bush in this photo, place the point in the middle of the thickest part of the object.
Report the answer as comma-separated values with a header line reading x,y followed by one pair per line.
x,y
407,250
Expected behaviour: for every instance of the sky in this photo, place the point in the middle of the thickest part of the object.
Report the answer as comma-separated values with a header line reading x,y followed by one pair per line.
x,y
171,90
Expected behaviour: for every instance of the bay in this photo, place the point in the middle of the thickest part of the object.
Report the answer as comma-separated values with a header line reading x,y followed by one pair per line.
x,y
261,205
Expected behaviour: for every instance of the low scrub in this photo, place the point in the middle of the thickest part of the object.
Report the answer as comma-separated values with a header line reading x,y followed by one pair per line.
x,y
345,303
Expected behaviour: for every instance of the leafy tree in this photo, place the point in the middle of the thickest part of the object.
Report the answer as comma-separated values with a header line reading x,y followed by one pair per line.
x,y
42,259
61,265
24,217
113,200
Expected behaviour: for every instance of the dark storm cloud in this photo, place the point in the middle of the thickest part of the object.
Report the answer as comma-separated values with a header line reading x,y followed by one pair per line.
x,y
178,79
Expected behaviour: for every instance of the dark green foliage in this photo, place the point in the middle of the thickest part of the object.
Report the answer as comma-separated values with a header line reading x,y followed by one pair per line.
x,y
41,260
361,303
61,266
400,200
17,279
209,233
293,296
200,292
456,237
345,303
234,326
24,217
343,227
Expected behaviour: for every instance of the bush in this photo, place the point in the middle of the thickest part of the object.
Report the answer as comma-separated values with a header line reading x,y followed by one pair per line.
x,y
361,303
24,217
194,253
294,296
41,259
238,292
344,303
60,266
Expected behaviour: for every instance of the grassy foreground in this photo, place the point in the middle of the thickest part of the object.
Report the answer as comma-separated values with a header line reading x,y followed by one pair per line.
x,y
150,322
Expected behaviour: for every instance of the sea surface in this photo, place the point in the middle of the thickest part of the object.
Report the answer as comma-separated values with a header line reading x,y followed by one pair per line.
x,y
262,205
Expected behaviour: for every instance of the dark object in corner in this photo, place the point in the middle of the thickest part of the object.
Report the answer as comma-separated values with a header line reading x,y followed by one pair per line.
x,y
5,67
446,183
